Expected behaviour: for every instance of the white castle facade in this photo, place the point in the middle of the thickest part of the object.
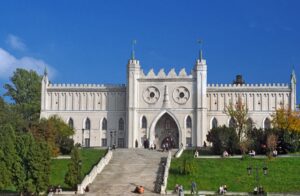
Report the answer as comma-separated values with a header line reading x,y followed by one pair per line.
x,y
177,107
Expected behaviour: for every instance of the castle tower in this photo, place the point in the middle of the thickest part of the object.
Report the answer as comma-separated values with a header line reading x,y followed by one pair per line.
x,y
200,73
293,91
133,73
45,83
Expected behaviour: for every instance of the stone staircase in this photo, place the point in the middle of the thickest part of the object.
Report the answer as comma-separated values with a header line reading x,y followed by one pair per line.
x,y
127,169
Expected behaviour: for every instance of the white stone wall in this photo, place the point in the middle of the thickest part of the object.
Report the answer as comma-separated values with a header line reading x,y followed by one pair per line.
x,y
152,95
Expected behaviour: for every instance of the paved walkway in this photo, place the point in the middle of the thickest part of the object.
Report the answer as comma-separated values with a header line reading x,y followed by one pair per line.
x,y
128,169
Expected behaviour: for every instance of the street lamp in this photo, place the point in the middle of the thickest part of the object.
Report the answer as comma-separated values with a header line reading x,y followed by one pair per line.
x,y
265,172
82,137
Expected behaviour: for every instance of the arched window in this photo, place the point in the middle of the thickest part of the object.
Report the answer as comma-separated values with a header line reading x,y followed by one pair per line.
x,y
71,123
144,123
188,122
232,123
214,123
104,124
87,124
267,124
121,124
249,124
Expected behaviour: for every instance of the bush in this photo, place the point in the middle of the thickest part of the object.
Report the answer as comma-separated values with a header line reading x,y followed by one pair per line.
x,y
187,167
223,138
66,145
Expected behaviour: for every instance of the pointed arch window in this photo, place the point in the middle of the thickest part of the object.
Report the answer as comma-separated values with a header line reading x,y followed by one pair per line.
x,y
71,123
267,124
104,124
232,123
144,123
214,123
249,124
87,124
121,124
188,122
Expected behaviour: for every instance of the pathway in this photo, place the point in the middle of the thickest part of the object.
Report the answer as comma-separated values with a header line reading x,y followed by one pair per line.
x,y
127,169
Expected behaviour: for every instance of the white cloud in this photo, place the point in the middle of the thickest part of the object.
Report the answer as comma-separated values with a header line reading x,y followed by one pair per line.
x,y
9,63
15,42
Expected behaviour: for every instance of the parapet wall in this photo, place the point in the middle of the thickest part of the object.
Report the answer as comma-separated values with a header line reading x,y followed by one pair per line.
x,y
162,74
265,85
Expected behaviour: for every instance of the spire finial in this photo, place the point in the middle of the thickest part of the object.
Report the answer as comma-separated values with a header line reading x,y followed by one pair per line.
x,y
132,52
200,42
293,75
45,71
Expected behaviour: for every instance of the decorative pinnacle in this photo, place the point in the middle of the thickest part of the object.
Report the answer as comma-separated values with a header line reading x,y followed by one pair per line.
x,y
200,52
132,52
45,71
293,75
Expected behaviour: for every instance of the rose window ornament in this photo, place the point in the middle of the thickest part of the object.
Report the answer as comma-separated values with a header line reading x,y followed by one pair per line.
x,y
151,95
181,95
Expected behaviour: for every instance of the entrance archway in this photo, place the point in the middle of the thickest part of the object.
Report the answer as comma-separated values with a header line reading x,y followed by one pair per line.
x,y
166,132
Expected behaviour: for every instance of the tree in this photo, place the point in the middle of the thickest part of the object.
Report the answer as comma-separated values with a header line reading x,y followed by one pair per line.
x,y
33,172
286,119
223,138
25,92
8,155
73,175
271,142
239,112
55,132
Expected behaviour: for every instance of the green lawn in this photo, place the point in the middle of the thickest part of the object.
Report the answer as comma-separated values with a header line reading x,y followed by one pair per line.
x,y
59,167
209,174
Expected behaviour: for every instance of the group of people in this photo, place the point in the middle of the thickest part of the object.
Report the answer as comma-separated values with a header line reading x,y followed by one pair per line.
x,y
259,190
222,189
180,191
252,153
56,190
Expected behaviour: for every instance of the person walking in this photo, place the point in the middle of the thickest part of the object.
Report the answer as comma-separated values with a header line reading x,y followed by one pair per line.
x,y
193,188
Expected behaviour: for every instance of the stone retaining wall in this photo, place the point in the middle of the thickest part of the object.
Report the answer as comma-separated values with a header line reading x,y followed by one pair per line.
x,y
166,174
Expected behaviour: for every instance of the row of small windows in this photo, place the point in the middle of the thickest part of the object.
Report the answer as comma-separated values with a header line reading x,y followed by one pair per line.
x,y
232,123
188,122
103,127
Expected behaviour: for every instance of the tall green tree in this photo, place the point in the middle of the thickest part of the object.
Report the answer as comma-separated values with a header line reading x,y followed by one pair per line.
x,y
25,92
33,172
73,175
8,155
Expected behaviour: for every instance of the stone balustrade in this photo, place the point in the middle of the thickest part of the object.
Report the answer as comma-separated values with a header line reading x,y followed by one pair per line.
x,y
163,186
89,178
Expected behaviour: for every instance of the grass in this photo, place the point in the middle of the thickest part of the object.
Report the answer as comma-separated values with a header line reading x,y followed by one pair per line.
x,y
209,174
59,167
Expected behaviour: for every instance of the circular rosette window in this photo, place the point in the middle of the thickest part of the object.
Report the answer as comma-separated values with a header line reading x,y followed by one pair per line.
x,y
151,95
181,95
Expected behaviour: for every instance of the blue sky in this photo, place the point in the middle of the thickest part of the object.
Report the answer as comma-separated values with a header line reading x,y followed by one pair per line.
x,y
90,41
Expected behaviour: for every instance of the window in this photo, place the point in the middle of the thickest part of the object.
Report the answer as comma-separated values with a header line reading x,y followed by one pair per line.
x,y
71,123
232,123
104,142
214,123
189,122
249,124
121,124
104,124
87,124
144,123
267,124
189,142
87,142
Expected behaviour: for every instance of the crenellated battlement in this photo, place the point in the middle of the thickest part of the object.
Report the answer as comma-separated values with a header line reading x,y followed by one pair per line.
x,y
86,85
163,75
265,85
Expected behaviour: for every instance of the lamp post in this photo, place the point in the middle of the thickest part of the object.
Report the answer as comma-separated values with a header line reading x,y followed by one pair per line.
x,y
82,144
257,168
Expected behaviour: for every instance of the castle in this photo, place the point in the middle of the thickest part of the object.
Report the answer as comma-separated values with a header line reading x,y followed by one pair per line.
x,y
179,107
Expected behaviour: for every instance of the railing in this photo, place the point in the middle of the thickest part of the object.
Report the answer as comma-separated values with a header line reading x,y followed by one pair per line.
x,y
166,174
89,178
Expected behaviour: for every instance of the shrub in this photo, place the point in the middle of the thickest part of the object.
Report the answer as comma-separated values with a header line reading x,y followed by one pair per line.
x,y
223,138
